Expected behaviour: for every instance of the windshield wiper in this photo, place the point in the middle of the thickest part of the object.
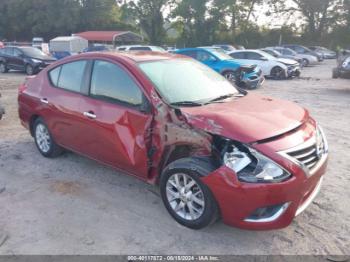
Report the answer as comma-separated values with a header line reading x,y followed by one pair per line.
x,y
224,97
186,103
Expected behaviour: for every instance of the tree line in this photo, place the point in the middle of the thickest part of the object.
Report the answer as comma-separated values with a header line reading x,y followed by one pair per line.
x,y
184,22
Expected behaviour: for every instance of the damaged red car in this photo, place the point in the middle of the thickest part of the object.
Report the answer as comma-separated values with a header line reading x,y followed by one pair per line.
x,y
214,150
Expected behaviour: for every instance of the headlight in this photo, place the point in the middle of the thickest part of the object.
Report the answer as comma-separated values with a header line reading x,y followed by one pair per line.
x,y
253,167
37,61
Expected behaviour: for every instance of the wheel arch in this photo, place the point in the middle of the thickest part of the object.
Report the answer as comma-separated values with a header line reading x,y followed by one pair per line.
x,y
32,120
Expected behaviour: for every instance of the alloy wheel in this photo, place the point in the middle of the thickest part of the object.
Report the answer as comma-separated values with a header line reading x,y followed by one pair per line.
x,y
43,138
185,196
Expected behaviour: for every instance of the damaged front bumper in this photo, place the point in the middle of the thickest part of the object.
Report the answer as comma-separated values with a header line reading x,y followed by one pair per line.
x,y
264,206
239,202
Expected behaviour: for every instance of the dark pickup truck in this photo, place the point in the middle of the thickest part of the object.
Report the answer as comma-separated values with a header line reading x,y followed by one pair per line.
x,y
28,59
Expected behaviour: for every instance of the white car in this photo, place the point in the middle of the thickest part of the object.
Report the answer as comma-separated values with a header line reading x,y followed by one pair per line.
x,y
307,59
140,48
277,68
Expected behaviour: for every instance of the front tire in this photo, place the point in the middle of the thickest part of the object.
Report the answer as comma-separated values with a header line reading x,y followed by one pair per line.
x,y
29,70
306,62
335,73
230,75
188,200
44,141
278,73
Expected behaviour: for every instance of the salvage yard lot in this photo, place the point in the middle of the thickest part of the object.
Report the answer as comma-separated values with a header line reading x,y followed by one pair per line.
x,y
73,205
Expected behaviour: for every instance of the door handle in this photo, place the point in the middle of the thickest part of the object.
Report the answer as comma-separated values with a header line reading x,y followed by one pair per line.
x,y
89,115
44,100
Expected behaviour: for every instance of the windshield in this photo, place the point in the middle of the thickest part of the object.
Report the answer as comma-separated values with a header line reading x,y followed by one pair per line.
x,y
185,80
158,48
32,52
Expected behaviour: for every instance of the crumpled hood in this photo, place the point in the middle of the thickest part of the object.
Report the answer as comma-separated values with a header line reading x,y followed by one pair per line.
x,y
247,119
286,61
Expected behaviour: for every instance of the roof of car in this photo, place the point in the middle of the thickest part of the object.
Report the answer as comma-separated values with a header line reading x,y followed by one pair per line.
x,y
136,56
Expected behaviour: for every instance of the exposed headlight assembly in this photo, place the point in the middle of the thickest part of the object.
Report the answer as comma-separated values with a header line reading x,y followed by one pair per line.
x,y
346,62
36,60
253,167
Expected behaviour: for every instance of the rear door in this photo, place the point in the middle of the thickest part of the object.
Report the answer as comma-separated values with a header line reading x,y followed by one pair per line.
x,y
9,57
115,130
60,101
18,59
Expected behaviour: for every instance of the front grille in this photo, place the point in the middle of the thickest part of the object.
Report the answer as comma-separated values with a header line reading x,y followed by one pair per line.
x,y
307,156
311,152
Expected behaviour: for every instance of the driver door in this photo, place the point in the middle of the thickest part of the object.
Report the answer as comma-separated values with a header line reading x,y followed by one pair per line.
x,y
208,59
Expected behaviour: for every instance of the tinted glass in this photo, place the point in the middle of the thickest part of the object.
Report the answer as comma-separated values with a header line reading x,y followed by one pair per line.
x,y
54,74
179,80
72,75
110,82
239,55
9,51
192,54
205,56
253,56
17,52
145,48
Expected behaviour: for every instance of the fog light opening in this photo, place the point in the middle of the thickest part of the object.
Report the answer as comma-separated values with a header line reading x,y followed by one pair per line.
x,y
268,213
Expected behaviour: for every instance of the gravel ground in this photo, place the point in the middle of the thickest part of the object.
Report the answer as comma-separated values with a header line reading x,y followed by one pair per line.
x,y
72,205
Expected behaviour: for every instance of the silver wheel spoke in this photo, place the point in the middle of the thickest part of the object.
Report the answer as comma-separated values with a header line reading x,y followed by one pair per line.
x,y
185,196
198,201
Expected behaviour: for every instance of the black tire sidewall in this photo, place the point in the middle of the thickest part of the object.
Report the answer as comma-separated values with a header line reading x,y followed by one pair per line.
x,y
276,77
210,210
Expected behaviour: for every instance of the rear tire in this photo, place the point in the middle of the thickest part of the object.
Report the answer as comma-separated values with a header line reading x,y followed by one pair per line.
x,y
44,140
188,200
3,68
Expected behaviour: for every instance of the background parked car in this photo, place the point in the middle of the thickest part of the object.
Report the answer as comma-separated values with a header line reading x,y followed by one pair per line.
x,y
37,42
242,74
277,54
307,59
226,48
327,54
343,65
304,50
270,66
140,48
28,59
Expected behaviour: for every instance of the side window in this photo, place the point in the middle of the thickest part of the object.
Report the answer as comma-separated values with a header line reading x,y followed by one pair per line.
x,y
253,56
238,55
17,52
122,48
300,49
205,56
71,76
54,74
9,51
192,54
110,82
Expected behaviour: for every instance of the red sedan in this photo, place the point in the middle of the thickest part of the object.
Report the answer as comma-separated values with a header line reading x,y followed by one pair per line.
x,y
214,151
